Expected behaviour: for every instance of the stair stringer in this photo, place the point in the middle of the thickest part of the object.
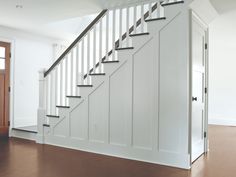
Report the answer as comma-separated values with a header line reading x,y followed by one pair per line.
x,y
115,124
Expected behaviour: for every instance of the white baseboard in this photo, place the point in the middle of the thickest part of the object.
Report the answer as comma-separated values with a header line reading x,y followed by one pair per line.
x,y
220,121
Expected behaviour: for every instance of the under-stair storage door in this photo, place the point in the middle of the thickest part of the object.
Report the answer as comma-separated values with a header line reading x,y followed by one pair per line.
x,y
4,88
198,88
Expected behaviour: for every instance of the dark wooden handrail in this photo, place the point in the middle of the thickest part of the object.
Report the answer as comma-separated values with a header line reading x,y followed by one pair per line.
x,y
131,29
88,28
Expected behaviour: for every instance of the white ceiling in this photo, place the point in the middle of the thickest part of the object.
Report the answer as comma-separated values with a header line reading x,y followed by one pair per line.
x,y
52,17
63,19
224,6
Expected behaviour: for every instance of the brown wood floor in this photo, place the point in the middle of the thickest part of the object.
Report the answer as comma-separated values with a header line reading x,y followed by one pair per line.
x,y
20,158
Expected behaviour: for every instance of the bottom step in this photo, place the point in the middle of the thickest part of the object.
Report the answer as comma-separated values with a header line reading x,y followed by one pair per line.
x,y
28,133
30,129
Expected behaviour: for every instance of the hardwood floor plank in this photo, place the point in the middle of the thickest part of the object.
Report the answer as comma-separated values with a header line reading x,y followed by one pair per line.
x,y
22,158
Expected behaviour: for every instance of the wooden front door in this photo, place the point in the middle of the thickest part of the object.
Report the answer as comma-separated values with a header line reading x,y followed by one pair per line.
x,y
4,88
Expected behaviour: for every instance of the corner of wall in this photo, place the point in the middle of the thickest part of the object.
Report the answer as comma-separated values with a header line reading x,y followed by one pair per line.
x,y
205,10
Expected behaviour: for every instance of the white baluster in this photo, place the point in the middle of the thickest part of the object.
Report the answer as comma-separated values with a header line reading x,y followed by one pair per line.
x,y
113,34
94,48
142,18
56,88
150,10
157,10
88,58
120,28
72,72
47,94
160,9
51,93
76,68
61,83
100,47
135,19
66,79
107,35
82,62
127,27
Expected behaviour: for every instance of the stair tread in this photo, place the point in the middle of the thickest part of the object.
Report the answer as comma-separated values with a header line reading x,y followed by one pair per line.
x,y
97,74
115,61
29,131
155,19
171,3
58,106
73,96
125,48
85,85
55,116
138,34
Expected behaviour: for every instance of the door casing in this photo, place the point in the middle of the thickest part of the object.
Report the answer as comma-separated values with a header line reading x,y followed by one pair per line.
x,y
4,129
194,16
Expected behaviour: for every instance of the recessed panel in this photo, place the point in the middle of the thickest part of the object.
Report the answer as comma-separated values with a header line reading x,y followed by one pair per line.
x,y
79,121
62,128
120,104
143,96
173,94
98,114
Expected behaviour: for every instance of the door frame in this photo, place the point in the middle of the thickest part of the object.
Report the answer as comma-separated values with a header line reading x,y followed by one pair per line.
x,y
12,79
194,16
7,86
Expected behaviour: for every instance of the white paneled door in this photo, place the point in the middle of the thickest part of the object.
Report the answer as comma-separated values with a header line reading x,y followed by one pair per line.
x,y
199,42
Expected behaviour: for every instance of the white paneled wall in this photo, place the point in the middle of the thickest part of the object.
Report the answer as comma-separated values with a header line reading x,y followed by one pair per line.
x,y
139,109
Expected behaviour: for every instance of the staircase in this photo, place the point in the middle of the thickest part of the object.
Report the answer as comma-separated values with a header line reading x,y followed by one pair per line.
x,y
98,95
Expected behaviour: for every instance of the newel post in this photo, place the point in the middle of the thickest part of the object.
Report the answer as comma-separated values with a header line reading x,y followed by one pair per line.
x,y
42,107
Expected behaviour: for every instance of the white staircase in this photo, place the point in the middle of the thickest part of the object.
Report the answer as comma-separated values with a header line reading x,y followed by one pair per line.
x,y
102,94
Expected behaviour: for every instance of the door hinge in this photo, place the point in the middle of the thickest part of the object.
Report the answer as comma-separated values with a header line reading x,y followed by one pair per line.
x,y
206,46
205,134
9,89
10,55
205,90
9,123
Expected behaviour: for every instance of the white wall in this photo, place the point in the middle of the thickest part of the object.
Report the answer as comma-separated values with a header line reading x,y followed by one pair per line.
x,y
222,72
29,54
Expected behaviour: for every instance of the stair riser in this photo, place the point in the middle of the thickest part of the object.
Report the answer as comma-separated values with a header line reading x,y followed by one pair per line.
x,y
84,91
47,130
170,11
96,80
62,112
23,135
154,27
109,68
136,41
124,55
74,101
